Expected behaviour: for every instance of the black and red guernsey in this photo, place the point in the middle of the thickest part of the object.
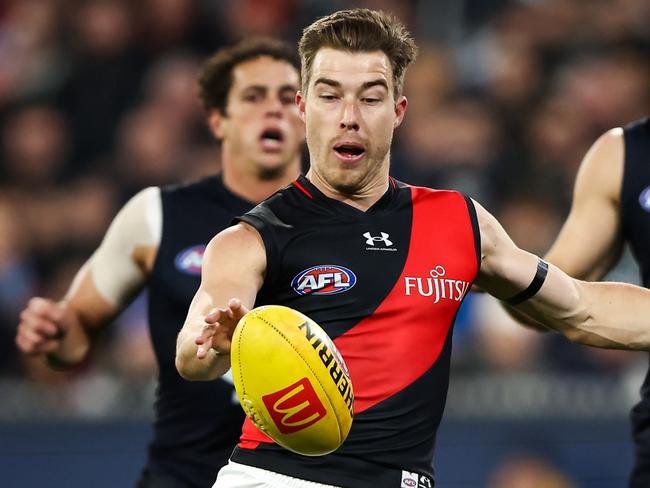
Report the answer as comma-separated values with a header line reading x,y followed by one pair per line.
x,y
386,285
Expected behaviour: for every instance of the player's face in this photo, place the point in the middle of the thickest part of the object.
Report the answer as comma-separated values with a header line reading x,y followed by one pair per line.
x,y
350,114
261,127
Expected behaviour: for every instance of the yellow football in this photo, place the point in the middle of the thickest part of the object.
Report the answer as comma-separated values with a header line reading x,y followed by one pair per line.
x,y
291,380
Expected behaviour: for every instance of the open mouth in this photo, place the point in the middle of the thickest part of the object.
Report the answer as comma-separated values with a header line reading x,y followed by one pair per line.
x,y
349,151
272,135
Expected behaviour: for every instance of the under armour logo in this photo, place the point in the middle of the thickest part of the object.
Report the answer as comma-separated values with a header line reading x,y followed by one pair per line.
x,y
370,239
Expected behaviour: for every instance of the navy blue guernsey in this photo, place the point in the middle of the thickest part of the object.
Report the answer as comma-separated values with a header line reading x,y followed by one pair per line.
x,y
386,285
635,195
635,216
197,424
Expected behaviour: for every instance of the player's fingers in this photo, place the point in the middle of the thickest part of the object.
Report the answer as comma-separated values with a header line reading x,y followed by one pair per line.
x,y
237,309
213,316
23,344
31,343
203,349
43,306
39,324
47,308
206,333
234,304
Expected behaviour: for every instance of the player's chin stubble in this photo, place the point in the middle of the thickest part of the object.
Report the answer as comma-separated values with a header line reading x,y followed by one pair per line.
x,y
269,174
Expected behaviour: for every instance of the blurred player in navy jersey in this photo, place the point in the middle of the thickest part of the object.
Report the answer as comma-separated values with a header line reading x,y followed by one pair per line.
x,y
157,241
404,258
611,207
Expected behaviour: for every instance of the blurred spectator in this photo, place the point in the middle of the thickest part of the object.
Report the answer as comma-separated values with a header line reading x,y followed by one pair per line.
x,y
453,146
32,61
35,147
148,149
526,471
97,100
105,74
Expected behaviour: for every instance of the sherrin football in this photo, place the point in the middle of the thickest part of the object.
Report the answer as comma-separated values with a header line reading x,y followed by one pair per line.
x,y
291,380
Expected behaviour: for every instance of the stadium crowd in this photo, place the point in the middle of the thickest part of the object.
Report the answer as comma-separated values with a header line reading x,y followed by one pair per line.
x,y
98,99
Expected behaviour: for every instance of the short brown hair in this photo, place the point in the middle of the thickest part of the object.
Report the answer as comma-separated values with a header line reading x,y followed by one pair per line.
x,y
215,78
359,30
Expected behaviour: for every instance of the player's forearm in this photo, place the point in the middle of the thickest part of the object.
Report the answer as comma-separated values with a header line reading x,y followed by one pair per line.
x,y
192,368
524,319
608,315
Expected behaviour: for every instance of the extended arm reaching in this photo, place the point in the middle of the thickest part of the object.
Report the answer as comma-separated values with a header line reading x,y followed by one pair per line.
x,y
611,315
233,270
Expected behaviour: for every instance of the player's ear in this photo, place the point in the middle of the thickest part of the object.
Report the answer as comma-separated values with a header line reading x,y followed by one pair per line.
x,y
215,123
300,102
400,110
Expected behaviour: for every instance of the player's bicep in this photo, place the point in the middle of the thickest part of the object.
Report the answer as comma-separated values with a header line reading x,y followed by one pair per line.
x,y
507,272
112,276
116,268
233,267
590,242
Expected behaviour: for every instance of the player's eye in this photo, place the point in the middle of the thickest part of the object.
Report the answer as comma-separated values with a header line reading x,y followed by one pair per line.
x,y
286,99
252,97
371,100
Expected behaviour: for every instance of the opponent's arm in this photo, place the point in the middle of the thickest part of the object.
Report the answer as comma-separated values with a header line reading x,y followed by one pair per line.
x,y
233,271
590,242
611,315
63,331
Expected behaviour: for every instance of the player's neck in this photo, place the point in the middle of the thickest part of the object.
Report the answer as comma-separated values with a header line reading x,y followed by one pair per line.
x,y
362,199
252,186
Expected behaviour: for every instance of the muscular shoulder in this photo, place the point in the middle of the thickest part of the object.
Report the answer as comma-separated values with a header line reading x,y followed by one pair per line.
x,y
239,247
601,170
139,222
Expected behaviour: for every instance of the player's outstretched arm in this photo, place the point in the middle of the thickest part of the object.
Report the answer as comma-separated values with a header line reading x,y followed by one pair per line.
x,y
233,271
62,331
611,315
590,242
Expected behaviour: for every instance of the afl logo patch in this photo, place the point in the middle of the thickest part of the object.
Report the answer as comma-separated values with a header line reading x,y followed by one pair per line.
x,y
189,260
644,199
326,279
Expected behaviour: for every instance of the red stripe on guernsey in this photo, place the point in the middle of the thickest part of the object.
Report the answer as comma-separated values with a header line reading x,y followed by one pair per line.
x,y
303,189
403,338
251,436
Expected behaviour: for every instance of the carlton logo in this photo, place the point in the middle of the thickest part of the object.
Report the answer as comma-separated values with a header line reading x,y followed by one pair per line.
x,y
644,199
189,260
436,285
326,279
295,407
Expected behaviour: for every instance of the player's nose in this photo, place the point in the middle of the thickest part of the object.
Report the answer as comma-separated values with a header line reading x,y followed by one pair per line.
x,y
349,117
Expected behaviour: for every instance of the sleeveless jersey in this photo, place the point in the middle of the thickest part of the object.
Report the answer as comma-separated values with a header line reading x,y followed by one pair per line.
x,y
197,424
635,194
635,216
386,285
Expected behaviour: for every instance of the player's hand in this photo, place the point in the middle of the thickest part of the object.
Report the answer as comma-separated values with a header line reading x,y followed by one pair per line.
x,y
43,324
219,327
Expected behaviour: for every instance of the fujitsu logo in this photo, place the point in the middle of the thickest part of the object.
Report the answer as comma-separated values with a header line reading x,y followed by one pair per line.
x,y
436,285
295,407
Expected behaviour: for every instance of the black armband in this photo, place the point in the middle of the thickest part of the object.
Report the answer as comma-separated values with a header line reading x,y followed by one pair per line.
x,y
535,285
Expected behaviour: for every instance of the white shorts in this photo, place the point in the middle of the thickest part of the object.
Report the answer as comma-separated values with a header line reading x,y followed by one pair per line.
x,y
235,475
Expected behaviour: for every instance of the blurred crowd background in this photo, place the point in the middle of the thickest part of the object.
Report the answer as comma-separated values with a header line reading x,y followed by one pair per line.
x,y
98,99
